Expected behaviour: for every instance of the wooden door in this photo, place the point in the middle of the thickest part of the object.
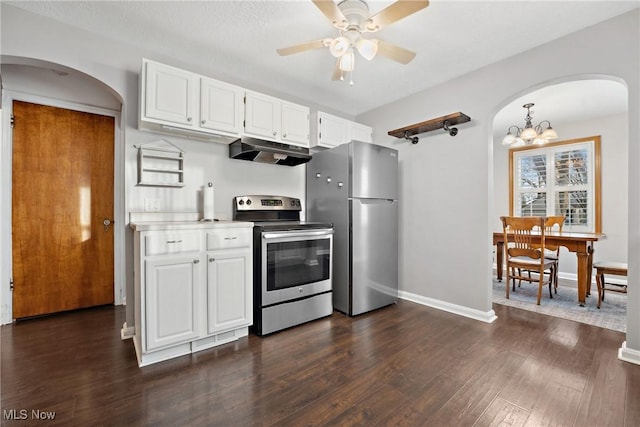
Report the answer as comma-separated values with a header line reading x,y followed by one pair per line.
x,y
62,192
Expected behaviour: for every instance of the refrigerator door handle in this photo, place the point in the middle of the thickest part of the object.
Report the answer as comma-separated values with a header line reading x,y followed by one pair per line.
x,y
373,201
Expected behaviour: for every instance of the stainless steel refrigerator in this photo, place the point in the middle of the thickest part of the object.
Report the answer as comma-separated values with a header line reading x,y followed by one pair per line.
x,y
355,186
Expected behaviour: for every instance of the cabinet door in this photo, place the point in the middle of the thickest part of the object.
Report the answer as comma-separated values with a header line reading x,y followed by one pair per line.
x,y
295,124
170,94
229,290
221,106
262,115
332,130
359,132
173,289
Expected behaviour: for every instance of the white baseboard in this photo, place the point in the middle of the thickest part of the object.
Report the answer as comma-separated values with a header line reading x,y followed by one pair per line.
x,y
127,332
487,317
628,354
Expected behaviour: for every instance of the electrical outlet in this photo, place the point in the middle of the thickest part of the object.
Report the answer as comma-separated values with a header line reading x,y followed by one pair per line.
x,y
152,205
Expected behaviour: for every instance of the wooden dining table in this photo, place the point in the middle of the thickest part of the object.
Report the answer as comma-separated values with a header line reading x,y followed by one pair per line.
x,y
580,243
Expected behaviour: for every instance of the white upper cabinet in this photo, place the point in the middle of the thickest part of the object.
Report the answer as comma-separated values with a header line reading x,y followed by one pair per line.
x,y
170,94
295,124
333,130
276,120
221,106
175,100
262,115
359,132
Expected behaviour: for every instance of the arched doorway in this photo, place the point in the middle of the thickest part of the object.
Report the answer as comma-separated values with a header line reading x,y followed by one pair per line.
x,y
44,83
577,108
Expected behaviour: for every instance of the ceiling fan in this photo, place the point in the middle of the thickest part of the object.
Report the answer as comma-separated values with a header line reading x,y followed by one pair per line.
x,y
352,19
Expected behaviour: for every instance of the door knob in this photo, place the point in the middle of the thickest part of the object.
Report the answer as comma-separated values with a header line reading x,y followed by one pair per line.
x,y
107,223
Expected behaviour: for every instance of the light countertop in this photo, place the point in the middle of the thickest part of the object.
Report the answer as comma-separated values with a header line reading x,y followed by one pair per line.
x,y
187,225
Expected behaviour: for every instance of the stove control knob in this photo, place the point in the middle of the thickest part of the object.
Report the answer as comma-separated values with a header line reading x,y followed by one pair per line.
x,y
248,202
293,203
241,202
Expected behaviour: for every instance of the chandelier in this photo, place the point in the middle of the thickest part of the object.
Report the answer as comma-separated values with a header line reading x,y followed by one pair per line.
x,y
538,135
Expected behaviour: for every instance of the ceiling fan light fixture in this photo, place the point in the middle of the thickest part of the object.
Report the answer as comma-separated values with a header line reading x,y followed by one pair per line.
x,y
347,61
352,18
367,48
339,46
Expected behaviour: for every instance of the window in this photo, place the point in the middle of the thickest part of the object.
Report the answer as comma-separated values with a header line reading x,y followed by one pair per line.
x,y
561,178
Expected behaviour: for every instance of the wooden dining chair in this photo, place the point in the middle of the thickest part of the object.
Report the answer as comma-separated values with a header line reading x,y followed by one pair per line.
x,y
524,239
551,252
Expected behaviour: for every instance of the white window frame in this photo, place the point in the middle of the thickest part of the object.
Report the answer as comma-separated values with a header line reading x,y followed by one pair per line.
x,y
593,188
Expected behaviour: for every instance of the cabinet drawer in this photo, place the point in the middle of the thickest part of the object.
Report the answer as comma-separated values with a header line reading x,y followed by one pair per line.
x,y
229,238
171,243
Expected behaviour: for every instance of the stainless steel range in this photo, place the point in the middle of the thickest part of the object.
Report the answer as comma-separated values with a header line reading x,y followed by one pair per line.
x,y
292,263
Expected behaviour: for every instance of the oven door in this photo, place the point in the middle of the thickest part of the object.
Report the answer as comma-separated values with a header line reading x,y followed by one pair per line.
x,y
295,264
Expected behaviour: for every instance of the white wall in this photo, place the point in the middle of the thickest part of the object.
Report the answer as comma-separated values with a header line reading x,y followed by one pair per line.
x,y
447,190
614,132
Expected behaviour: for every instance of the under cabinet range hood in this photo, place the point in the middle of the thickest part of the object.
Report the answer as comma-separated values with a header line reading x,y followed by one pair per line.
x,y
257,150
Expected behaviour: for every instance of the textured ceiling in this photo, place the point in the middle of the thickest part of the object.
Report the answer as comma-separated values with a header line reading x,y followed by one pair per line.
x,y
239,39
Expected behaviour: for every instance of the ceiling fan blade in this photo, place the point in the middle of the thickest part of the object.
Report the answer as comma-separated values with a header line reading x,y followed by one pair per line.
x,y
393,13
337,72
303,47
394,52
331,11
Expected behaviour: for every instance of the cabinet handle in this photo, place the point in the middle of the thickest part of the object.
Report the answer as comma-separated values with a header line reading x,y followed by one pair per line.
x,y
230,238
203,122
189,119
284,135
275,133
211,259
174,241
196,261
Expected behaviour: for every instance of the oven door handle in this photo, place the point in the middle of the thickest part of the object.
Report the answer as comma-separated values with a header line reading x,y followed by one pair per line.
x,y
268,236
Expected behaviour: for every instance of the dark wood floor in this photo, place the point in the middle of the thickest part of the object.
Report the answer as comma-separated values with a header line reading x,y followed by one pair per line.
x,y
402,365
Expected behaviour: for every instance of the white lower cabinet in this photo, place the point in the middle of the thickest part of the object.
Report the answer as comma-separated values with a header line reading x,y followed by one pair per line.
x,y
229,302
193,287
172,300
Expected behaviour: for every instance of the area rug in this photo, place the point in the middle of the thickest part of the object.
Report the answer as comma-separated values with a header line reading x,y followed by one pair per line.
x,y
611,315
